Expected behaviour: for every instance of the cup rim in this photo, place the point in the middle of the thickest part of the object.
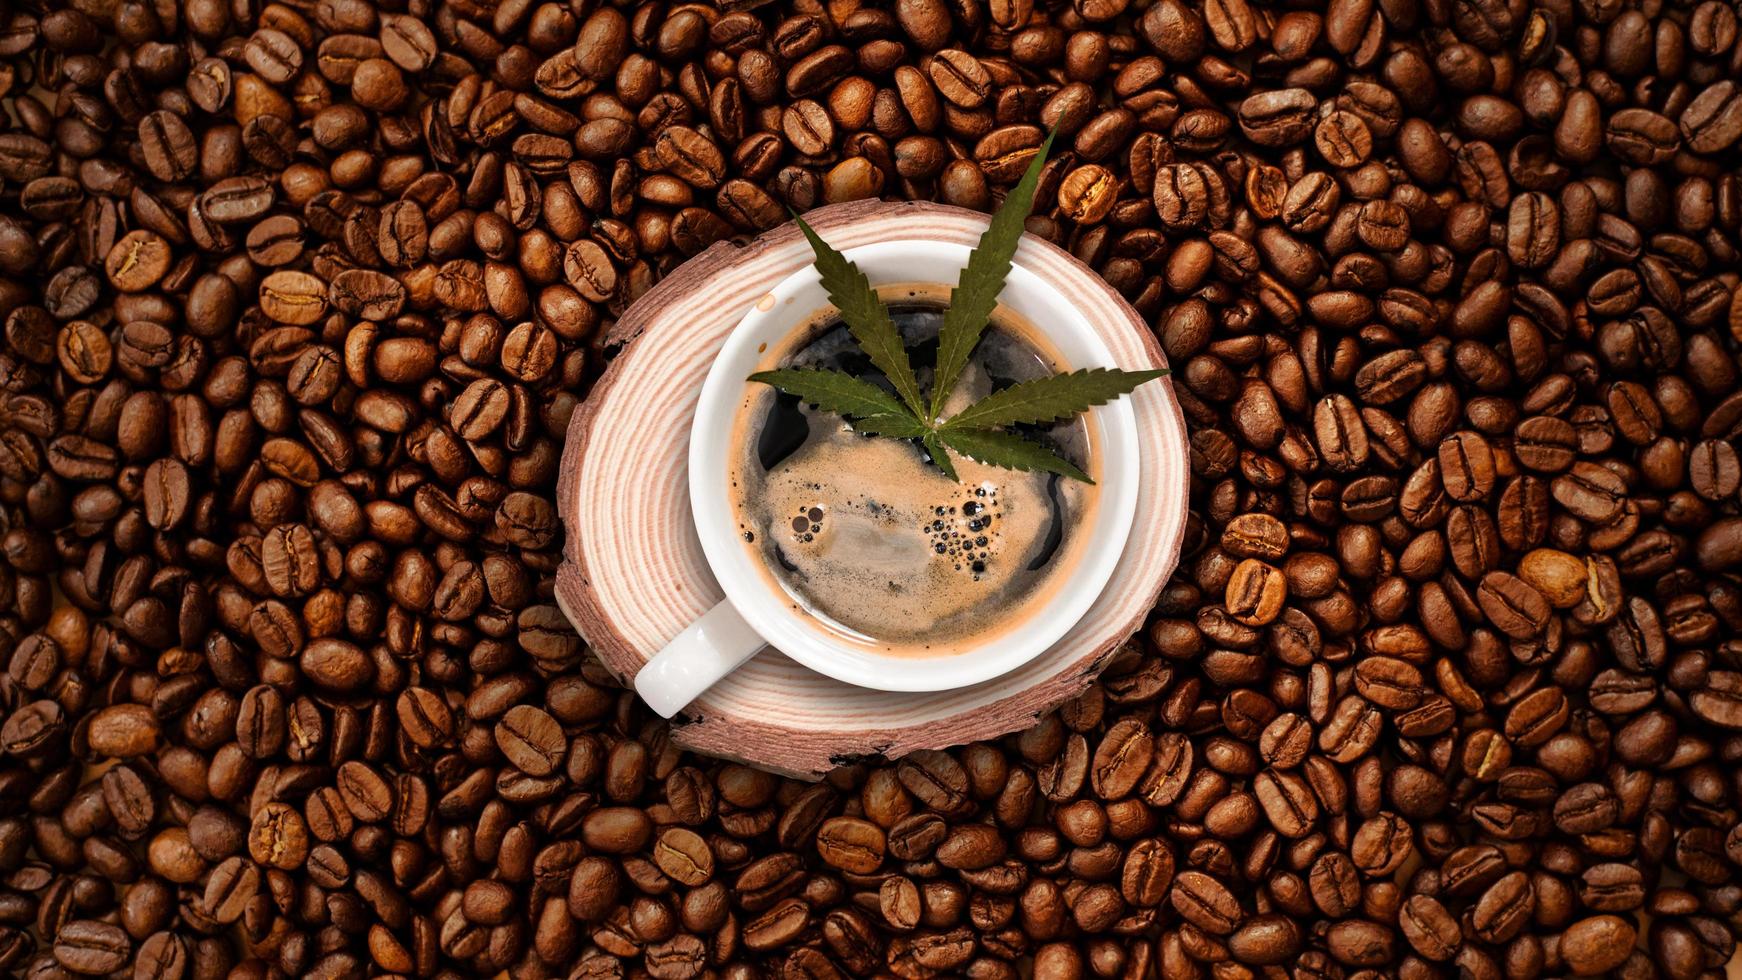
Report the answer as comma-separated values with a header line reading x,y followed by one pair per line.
x,y
810,643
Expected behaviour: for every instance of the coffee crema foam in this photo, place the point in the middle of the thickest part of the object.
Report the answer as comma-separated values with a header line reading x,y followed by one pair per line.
x,y
871,539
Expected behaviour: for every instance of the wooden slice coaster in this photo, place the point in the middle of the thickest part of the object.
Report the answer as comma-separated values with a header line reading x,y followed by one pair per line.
x,y
633,574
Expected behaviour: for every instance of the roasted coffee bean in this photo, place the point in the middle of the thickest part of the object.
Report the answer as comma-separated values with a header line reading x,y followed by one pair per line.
x,y
1514,606
1279,117
684,856
296,298
853,845
589,270
960,78
1429,928
137,261
1256,592
91,948
1466,466
1287,801
1256,535
166,144
1344,140
1594,945
690,156
1088,193
1205,902
531,739
1714,471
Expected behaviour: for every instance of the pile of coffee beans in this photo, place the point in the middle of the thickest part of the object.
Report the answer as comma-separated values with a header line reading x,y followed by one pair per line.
x,y
298,298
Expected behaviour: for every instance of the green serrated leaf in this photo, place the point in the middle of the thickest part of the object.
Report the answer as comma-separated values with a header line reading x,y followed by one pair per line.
x,y
866,318
903,426
836,391
976,292
1010,451
1049,399
938,456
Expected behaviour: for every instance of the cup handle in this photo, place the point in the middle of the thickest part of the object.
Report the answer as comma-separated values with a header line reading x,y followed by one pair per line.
x,y
696,659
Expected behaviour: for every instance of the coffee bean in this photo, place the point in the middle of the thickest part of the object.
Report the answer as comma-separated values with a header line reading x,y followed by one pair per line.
x,y
936,780
684,856
777,926
1121,759
853,845
293,297
278,836
408,42
1087,194
1287,801
1279,117
1721,701
1594,945
1256,535
1429,928
1382,844
690,156
424,717
1182,196
1513,605
899,902
916,837
747,205
124,731
91,948
1344,140
1383,226
232,884
1205,902
161,955
24,157
1265,940
960,78
1714,471
616,830
589,270
1590,492
1641,136
166,144
1537,717
970,848
531,739
808,128
1256,592
1712,121
1358,942
137,261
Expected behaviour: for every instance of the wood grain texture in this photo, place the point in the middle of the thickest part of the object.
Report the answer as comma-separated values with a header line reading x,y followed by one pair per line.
x,y
633,574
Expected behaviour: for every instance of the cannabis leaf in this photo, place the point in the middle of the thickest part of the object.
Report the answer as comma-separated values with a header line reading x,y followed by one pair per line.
x,y
903,426
1009,450
935,448
865,316
976,431
1049,399
834,391
976,292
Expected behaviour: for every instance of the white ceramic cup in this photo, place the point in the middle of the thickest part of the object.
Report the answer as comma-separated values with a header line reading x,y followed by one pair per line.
x,y
756,614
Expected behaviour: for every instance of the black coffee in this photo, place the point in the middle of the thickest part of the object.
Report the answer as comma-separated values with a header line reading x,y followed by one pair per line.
x,y
868,534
